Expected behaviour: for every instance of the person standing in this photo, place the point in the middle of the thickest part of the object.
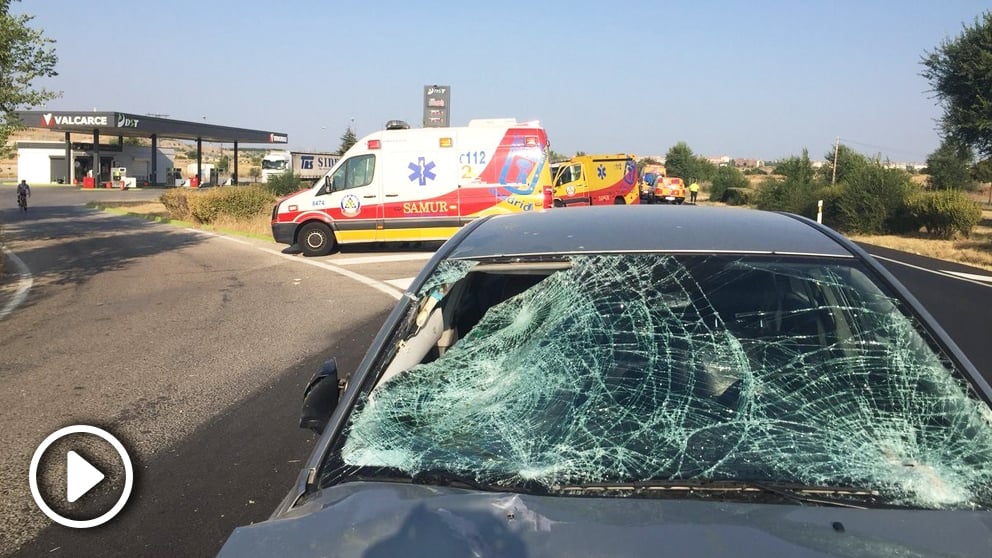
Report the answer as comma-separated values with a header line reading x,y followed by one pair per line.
x,y
693,192
23,193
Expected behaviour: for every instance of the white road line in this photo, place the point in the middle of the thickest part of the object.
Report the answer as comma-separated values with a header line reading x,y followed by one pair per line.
x,y
386,287
383,259
23,283
950,274
368,281
403,283
971,276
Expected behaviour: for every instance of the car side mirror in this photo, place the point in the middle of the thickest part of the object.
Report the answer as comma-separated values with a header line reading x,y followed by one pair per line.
x,y
320,397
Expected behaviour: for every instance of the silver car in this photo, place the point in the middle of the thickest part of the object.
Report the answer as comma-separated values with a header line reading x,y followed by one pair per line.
x,y
645,381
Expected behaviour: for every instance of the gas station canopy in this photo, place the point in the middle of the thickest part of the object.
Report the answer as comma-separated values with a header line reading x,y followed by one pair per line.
x,y
122,124
136,125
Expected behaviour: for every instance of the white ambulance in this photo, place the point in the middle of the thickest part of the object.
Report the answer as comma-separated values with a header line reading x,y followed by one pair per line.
x,y
403,184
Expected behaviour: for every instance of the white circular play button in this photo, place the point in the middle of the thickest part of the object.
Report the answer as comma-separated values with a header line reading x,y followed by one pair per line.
x,y
81,476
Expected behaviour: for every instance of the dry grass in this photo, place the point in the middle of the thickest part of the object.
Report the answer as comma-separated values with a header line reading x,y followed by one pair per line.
x,y
975,250
259,227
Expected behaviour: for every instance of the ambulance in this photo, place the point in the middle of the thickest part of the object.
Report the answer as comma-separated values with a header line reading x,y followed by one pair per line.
x,y
596,180
402,184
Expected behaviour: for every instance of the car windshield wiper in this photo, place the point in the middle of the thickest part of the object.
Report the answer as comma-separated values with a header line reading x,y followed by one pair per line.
x,y
820,495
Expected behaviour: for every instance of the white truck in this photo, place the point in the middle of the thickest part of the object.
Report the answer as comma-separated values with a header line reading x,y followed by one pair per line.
x,y
304,165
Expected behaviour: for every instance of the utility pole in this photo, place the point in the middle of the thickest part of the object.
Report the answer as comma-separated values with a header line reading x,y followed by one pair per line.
x,y
836,150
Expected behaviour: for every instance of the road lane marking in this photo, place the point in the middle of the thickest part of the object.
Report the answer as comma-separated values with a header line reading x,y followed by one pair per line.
x,y
942,273
383,259
403,283
367,281
24,283
971,276
394,287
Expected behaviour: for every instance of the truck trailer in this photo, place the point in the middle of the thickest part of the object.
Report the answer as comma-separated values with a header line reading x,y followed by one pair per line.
x,y
308,166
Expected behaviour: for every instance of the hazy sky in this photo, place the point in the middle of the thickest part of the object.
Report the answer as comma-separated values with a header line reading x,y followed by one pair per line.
x,y
748,78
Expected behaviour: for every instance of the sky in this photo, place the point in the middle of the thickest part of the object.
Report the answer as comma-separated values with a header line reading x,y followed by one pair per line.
x,y
750,78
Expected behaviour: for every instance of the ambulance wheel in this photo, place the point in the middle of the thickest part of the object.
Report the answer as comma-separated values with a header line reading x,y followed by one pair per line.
x,y
316,239
619,201
559,203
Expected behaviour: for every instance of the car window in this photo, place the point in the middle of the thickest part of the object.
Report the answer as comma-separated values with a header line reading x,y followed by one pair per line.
x,y
353,173
647,367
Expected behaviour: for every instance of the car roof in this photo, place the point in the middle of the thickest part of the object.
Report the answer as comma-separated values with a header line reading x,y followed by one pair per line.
x,y
645,228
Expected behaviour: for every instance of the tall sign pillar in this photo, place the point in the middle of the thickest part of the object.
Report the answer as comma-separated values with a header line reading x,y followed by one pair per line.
x,y
437,106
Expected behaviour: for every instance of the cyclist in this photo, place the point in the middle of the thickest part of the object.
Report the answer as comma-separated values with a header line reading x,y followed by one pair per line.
x,y
23,193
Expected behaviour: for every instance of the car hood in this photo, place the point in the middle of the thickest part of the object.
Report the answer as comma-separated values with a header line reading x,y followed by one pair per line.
x,y
387,519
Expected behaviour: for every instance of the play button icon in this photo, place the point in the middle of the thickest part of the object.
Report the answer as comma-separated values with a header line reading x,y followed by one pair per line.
x,y
81,476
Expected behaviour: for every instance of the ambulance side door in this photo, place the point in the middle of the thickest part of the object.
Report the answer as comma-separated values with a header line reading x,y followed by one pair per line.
x,y
420,191
571,186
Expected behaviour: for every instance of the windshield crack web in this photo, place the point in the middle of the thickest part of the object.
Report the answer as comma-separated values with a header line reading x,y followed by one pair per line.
x,y
649,367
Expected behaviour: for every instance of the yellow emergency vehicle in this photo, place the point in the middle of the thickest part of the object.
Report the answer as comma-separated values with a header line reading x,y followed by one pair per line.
x,y
596,180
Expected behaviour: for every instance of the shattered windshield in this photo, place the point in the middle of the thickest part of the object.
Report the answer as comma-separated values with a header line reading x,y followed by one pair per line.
x,y
620,368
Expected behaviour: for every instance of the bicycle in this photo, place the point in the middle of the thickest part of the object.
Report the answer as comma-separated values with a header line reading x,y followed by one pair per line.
x,y
22,201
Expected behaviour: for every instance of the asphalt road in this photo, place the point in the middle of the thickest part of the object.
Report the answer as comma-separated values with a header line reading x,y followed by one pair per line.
x,y
194,350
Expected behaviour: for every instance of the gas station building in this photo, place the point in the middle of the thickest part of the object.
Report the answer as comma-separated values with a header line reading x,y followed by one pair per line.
x,y
75,160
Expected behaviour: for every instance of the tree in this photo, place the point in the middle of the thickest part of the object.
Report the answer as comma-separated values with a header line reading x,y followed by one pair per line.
x,y
555,157
949,167
960,72
348,139
982,171
798,169
680,161
25,55
848,161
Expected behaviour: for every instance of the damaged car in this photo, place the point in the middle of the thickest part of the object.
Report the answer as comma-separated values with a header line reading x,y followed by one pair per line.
x,y
644,381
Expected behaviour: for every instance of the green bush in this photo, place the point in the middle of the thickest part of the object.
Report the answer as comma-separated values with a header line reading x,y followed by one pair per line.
x,y
831,212
240,202
944,213
792,195
204,207
874,201
738,196
176,203
284,184
726,178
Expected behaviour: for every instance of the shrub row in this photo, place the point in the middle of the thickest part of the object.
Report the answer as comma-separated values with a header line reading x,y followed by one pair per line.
x,y
874,200
944,213
244,202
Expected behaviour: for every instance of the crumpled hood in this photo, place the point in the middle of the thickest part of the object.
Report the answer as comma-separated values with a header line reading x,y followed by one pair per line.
x,y
389,519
